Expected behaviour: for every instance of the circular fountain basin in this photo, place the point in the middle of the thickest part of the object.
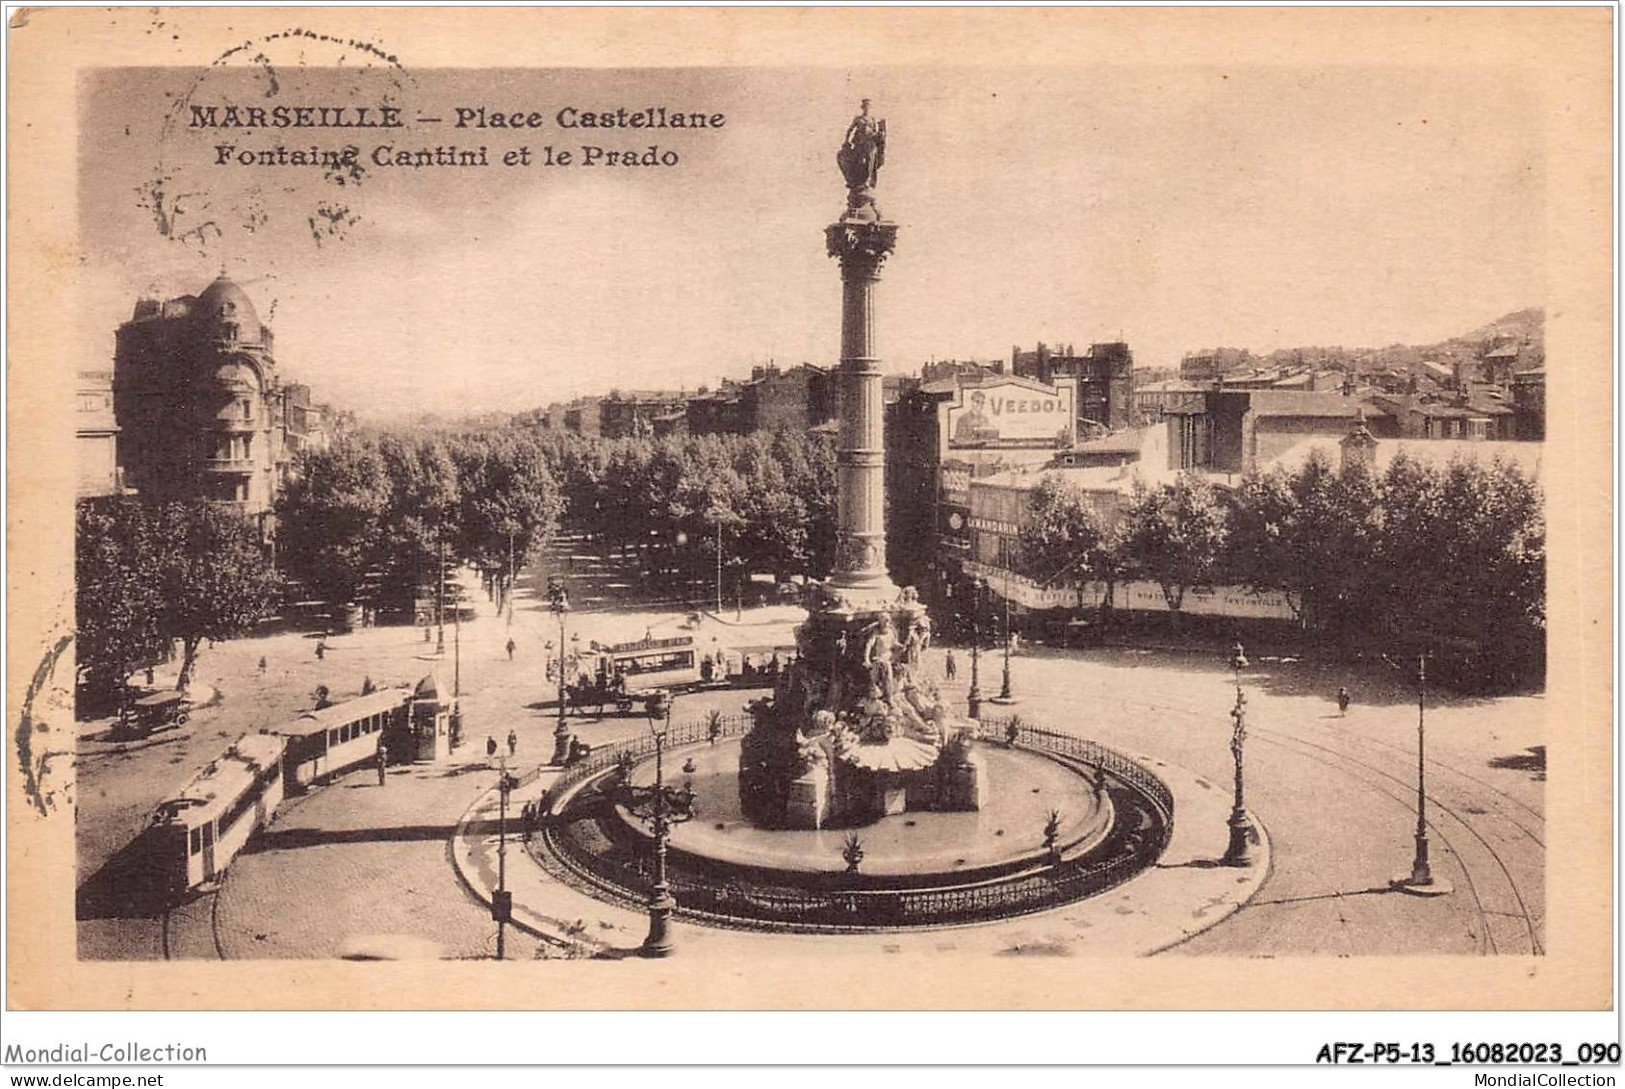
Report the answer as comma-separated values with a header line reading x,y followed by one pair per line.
x,y
1019,791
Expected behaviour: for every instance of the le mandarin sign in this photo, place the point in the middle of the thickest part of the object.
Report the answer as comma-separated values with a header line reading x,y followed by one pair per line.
x,y
1011,414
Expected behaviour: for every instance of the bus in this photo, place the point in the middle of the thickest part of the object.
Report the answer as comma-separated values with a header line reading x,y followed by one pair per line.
x,y
200,830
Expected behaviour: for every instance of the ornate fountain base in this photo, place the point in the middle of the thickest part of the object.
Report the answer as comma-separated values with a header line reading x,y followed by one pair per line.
x,y
854,731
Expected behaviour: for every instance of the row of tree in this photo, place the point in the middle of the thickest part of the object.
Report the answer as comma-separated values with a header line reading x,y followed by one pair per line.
x,y
1448,557
155,576
757,503
393,508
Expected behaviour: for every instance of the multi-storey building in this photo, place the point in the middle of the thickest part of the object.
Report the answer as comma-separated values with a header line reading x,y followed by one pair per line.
x,y
96,435
772,399
197,400
1104,377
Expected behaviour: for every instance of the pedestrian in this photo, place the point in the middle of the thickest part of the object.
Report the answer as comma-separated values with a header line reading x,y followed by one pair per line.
x,y
490,745
263,665
512,646
383,761
425,633
950,667
321,649
1342,700
513,742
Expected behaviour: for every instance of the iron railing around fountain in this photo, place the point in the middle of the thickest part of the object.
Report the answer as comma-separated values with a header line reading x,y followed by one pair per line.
x,y
604,757
1082,751
728,900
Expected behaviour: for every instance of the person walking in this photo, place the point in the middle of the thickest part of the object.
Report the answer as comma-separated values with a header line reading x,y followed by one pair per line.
x,y
512,646
263,665
513,742
527,818
321,649
490,746
382,759
1342,700
950,668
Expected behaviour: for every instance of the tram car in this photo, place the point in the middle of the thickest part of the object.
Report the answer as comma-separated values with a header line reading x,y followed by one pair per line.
x,y
626,674
199,831
322,743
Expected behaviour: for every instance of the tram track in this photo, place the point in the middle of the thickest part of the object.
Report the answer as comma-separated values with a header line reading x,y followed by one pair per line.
x,y
1401,790
1281,739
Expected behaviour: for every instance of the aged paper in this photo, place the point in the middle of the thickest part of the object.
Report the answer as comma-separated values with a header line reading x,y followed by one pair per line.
x,y
582,184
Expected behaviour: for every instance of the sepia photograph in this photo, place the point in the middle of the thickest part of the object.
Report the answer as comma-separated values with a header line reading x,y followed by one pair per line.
x,y
993,519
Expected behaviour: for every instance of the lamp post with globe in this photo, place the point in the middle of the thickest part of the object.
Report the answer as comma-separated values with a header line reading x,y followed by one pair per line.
x,y
973,698
558,603
659,807
1243,832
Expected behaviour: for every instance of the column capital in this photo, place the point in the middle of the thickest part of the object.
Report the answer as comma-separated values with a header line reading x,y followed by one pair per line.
x,y
861,247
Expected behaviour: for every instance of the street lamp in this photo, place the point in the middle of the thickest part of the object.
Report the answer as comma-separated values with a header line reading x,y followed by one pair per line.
x,y
1243,832
558,602
659,807
440,592
973,698
1005,696
1421,881
502,899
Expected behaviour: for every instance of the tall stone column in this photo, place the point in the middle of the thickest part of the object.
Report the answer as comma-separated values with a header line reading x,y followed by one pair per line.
x,y
860,558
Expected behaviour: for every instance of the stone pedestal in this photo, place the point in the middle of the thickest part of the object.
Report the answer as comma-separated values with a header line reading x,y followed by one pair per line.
x,y
807,801
961,784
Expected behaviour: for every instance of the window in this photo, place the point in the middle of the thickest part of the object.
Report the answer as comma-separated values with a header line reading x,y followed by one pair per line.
x,y
197,840
247,407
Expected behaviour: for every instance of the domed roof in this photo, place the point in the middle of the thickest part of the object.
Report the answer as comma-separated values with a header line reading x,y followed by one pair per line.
x,y
223,300
428,689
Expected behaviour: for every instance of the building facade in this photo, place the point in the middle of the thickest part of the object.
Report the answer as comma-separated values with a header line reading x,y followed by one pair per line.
x,y
1103,376
198,402
96,436
1232,431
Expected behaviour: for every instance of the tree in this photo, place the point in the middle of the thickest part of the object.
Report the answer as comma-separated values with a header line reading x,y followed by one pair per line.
x,y
330,519
216,579
508,503
1064,539
1463,563
1175,535
117,591
1312,534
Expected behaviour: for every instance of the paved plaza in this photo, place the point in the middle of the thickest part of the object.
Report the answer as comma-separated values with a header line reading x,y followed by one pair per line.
x,y
358,869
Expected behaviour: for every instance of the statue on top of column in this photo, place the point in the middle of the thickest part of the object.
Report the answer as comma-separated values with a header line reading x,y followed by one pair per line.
x,y
862,152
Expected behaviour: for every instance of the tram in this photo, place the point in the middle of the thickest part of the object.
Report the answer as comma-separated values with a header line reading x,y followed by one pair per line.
x,y
629,673
199,831
323,743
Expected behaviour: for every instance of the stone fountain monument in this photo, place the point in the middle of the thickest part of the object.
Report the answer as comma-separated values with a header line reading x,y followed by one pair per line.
x,y
854,730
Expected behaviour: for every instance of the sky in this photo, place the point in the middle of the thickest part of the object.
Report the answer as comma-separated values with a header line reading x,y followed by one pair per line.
x,y
1175,208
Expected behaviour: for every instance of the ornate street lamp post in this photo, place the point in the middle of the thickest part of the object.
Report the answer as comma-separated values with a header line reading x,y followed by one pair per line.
x,y
1243,832
1005,696
660,808
1421,881
440,593
502,899
558,602
973,698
